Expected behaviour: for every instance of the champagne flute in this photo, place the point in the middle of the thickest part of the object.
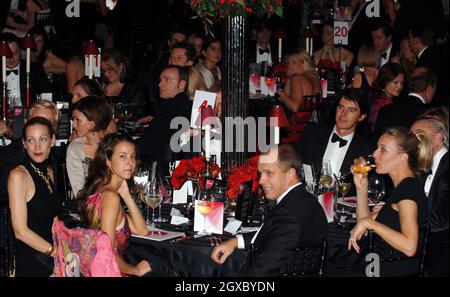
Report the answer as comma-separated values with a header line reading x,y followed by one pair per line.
x,y
167,195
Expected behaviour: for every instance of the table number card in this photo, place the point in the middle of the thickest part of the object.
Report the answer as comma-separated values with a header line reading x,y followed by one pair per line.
x,y
213,221
199,99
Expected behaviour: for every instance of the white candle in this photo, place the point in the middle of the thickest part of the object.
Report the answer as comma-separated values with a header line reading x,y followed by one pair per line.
x,y
28,60
311,47
207,142
91,64
4,69
280,43
307,45
277,135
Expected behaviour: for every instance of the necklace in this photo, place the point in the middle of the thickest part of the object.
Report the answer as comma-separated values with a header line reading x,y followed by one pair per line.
x,y
44,177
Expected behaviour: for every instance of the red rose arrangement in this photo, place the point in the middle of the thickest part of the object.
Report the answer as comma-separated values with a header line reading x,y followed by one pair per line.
x,y
241,175
192,169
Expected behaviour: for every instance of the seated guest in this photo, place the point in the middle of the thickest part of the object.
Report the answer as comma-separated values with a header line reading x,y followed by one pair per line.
x,y
182,54
154,145
86,87
434,123
196,40
405,109
297,220
329,54
33,201
340,144
406,58
402,155
382,41
387,87
91,117
106,188
368,60
302,80
209,68
260,50
121,86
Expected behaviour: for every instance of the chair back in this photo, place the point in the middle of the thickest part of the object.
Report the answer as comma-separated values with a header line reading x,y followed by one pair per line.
x,y
388,254
305,262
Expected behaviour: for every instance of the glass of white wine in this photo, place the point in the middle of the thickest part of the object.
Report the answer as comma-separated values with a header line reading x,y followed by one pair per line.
x,y
153,197
326,179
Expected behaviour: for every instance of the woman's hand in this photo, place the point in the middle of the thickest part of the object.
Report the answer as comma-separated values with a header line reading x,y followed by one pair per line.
x,y
360,179
357,233
143,267
124,191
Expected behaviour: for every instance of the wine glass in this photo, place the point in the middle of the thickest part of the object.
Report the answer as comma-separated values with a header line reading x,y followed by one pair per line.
x,y
376,189
364,165
326,178
167,195
205,207
153,197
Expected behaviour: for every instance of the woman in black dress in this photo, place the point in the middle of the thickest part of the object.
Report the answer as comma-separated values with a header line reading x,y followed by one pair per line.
x,y
33,201
401,155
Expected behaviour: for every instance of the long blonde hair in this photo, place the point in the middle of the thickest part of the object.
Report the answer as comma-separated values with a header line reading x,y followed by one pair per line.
x,y
303,57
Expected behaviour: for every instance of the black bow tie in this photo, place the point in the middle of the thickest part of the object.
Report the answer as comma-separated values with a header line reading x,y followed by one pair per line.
x,y
383,55
262,51
15,71
342,142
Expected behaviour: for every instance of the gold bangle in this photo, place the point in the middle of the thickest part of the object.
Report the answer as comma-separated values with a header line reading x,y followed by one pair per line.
x,y
49,251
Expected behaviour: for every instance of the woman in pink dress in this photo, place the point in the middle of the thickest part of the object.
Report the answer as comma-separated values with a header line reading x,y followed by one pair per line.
x,y
105,188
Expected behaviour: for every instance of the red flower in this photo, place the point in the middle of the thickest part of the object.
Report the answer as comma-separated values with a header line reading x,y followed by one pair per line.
x,y
241,175
192,169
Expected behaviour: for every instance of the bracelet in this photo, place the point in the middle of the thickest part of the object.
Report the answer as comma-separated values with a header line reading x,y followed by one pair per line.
x,y
49,251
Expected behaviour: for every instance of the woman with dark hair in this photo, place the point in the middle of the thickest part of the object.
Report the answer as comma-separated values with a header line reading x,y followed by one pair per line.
x,y
122,86
401,155
86,87
209,69
387,86
33,201
91,117
106,187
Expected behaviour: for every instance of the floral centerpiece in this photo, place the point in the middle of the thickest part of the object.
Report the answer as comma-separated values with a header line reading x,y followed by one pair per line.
x,y
210,11
241,175
193,169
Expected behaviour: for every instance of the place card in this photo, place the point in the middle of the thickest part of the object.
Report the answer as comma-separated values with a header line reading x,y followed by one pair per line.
x,y
199,99
213,222
180,196
327,202
232,226
175,212
175,220
309,177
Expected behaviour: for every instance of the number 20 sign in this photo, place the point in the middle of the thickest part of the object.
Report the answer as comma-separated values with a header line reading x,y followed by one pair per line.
x,y
341,33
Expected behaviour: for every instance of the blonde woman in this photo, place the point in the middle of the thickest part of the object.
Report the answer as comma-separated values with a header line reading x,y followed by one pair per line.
x,y
302,80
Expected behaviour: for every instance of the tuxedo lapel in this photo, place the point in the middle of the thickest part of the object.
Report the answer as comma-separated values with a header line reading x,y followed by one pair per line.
x,y
443,164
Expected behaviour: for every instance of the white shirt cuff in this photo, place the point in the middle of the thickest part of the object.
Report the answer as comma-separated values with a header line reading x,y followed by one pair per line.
x,y
241,242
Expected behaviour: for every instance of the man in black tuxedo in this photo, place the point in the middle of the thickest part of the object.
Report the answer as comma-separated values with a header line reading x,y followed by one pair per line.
x,y
154,145
297,220
421,38
339,144
261,49
383,42
404,111
436,188
16,80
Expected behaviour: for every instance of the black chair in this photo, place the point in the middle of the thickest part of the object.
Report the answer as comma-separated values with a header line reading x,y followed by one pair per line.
x,y
305,262
388,254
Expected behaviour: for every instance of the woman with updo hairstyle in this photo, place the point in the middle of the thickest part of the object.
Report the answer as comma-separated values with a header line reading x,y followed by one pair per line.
x,y
91,117
86,87
105,189
403,156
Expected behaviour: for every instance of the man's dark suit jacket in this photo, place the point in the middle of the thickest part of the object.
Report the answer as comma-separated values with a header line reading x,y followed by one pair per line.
x,y
154,145
438,253
403,112
436,58
273,52
314,143
297,221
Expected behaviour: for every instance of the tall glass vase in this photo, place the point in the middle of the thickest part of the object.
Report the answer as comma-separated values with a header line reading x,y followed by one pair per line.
x,y
235,89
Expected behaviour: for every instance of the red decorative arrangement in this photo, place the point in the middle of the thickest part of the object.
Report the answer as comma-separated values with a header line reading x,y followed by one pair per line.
x,y
192,169
241,175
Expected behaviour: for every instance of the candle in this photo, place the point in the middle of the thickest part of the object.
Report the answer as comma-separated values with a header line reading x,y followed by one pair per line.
x,y
280,42
277,135
4,68
307,45
91,62
28,60
207,142
311,47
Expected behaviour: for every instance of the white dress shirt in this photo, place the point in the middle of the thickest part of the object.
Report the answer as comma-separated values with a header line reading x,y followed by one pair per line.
x,y
421,52
240,238
264,57
388,56
436,160
13,86
418,96
336,154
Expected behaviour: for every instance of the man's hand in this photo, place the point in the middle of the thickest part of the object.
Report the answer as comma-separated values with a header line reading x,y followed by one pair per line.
x,y
221,252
